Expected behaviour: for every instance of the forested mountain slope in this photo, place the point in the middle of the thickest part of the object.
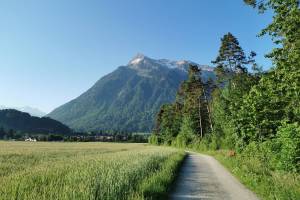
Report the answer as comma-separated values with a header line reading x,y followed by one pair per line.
x,y
24,122
128,98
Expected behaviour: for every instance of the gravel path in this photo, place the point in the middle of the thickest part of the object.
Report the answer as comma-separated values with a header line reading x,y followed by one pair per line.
x,y
202,177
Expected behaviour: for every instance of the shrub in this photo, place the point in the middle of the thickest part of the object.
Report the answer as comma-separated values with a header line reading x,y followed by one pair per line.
x,y
288,140
215,142
181,140
187,133
259,157
154,139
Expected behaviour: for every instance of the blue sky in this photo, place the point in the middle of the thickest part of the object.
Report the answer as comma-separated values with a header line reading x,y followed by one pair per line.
x,y
53,50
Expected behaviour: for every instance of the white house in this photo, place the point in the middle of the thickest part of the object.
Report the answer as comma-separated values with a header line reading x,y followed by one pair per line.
x,y
30,140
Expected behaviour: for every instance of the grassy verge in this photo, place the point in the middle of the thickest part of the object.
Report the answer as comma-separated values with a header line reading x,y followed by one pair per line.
x,y
253,172
159,183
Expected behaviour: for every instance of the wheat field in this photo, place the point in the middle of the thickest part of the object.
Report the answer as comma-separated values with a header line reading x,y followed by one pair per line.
x,y
86,170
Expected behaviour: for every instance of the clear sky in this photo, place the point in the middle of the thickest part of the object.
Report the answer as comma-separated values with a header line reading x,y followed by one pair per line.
x,y
53,50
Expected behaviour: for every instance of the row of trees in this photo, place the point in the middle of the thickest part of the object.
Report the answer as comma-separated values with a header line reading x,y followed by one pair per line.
x,y
12,134
243,107
202,108
189,115
9,134
104,136
133,138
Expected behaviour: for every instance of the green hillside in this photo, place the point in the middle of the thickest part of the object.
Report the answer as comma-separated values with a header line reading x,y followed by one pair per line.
x,y
126,99
11,119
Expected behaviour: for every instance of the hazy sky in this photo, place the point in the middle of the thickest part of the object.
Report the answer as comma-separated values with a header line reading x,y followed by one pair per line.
x,y
53,50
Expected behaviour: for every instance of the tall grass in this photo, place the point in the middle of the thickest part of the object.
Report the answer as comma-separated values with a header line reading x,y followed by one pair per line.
x,y
158,185
81,170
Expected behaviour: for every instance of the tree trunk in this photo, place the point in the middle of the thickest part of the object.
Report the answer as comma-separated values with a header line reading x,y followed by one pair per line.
x,y
208,110
200,118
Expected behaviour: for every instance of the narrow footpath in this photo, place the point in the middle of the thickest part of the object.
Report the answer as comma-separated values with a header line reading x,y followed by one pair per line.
x,y
203,177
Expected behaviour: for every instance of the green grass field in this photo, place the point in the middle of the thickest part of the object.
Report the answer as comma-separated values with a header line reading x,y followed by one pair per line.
x,y
86,170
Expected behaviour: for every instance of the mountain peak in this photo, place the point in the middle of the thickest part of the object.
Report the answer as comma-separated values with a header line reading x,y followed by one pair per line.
x,y
137,59
128,98
148,67
139,55
182,62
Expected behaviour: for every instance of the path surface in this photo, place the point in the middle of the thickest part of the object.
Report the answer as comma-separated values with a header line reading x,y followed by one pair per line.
x,y
202,177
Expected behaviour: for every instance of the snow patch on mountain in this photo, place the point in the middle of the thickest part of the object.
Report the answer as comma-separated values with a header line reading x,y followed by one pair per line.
x,y
144,65
149,67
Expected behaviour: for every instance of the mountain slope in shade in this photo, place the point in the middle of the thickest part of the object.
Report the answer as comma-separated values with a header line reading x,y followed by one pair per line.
x,y
24,122
128,98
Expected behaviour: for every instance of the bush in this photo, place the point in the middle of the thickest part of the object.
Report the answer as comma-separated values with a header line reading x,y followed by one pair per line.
x,y
288,141
186,134
154,139
259,157
215,142
182,140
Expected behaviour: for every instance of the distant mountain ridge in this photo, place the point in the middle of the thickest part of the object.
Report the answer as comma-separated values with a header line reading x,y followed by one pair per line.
x,y
25,123
32,111
129,97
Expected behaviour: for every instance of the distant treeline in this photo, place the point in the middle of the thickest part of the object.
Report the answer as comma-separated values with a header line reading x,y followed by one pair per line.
x,y
100,136
16,125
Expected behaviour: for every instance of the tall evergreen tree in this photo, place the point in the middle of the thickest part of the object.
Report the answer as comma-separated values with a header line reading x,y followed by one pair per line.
x,y
231,58
195,103
234,82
